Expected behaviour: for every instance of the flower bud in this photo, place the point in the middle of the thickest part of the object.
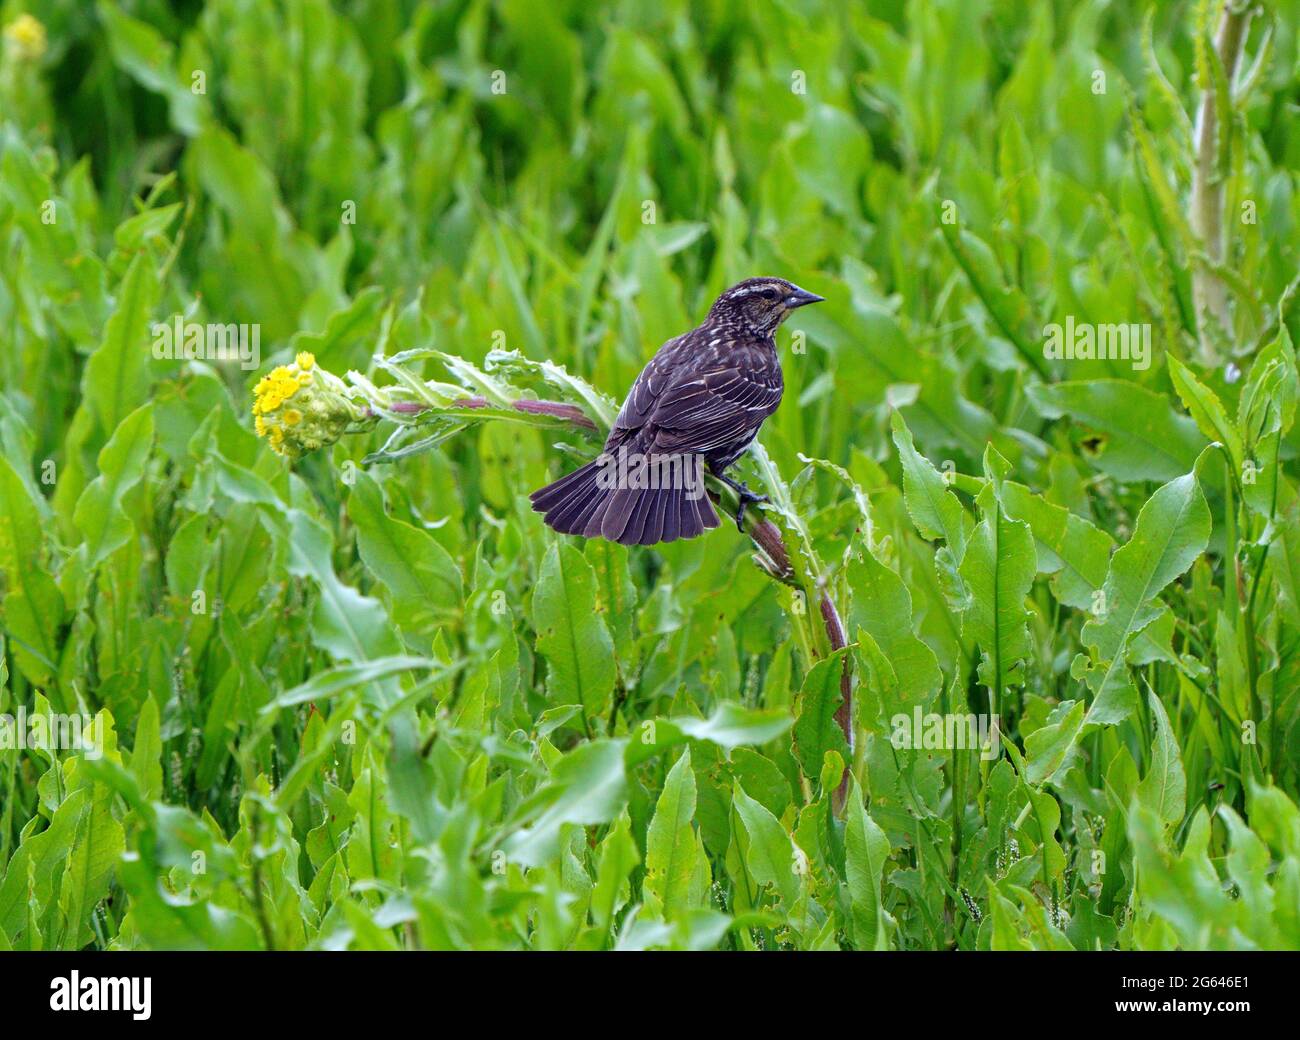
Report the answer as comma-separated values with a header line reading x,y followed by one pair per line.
x,y
301,408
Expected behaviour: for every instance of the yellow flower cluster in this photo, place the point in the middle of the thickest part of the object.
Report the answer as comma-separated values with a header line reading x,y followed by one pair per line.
x,y
299,408
27,37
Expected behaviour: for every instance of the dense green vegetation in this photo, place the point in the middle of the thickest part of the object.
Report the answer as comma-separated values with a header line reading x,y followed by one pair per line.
x,y
363,698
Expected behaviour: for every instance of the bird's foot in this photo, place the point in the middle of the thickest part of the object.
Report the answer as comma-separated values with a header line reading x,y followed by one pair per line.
x,y
746,497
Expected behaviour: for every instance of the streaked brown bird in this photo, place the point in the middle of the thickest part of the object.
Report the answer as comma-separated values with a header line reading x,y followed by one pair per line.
x,y
699,402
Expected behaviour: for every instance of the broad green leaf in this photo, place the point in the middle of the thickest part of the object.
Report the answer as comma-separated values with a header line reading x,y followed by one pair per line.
x,y
43,854
117,376
96,846
331,682
1181,887
587,786
933,507
731,726
146,754
998,568
866,848
33,605
882,606
616,596
416,569
571,636
670,843
1205,408
101,514
1164,788
1172,530
1046,815
1075,552
618,858
816,730
144,54
1047,749
766,847
1006,303
1141,437
344,623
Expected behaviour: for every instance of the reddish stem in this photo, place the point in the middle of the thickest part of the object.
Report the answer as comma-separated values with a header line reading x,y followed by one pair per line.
x,y
844,713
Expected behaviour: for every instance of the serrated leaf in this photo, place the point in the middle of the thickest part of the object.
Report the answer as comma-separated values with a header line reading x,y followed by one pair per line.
x,y
1205,408
816,730
933,507
1172,530
882,606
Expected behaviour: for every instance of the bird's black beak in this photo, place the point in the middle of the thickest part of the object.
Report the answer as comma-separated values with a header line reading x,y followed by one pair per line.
x,y
801,298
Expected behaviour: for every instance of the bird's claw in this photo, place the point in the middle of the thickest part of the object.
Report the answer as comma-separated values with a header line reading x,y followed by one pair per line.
x,y
746,497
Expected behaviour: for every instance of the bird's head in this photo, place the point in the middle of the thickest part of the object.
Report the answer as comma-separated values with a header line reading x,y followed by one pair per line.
x,y
760,304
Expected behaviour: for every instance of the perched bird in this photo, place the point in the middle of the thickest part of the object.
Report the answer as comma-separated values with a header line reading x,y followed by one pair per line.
x,y
699,402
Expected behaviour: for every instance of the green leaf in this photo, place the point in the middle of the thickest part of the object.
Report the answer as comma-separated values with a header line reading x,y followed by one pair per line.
x,y
42,854
616,598
101,514
1142,437
933,507
1172,530
331,682
33,605
882,606
416,569
144,54
587,786
866,848
571,635
1181,887
117,379
816,730
766,847
1075,552
344,623
731,725
618,858
96,846
1046,816
670,843
1206,409
1006,303
1047,749
998,568
146,754
1164,788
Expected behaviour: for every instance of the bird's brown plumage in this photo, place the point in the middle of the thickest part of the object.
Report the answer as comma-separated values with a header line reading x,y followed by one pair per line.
x,y
701,400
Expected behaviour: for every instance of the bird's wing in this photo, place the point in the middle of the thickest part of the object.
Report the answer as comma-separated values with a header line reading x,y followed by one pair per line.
x,y
707,410
659,373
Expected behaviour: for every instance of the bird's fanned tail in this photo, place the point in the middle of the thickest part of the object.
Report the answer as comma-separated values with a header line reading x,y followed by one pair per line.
x,y
581,504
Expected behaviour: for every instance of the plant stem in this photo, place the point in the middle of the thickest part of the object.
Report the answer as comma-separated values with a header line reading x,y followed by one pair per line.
x,y
1209,190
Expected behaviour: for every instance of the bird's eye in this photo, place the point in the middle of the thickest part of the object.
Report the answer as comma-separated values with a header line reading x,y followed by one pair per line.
x,y
768,294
